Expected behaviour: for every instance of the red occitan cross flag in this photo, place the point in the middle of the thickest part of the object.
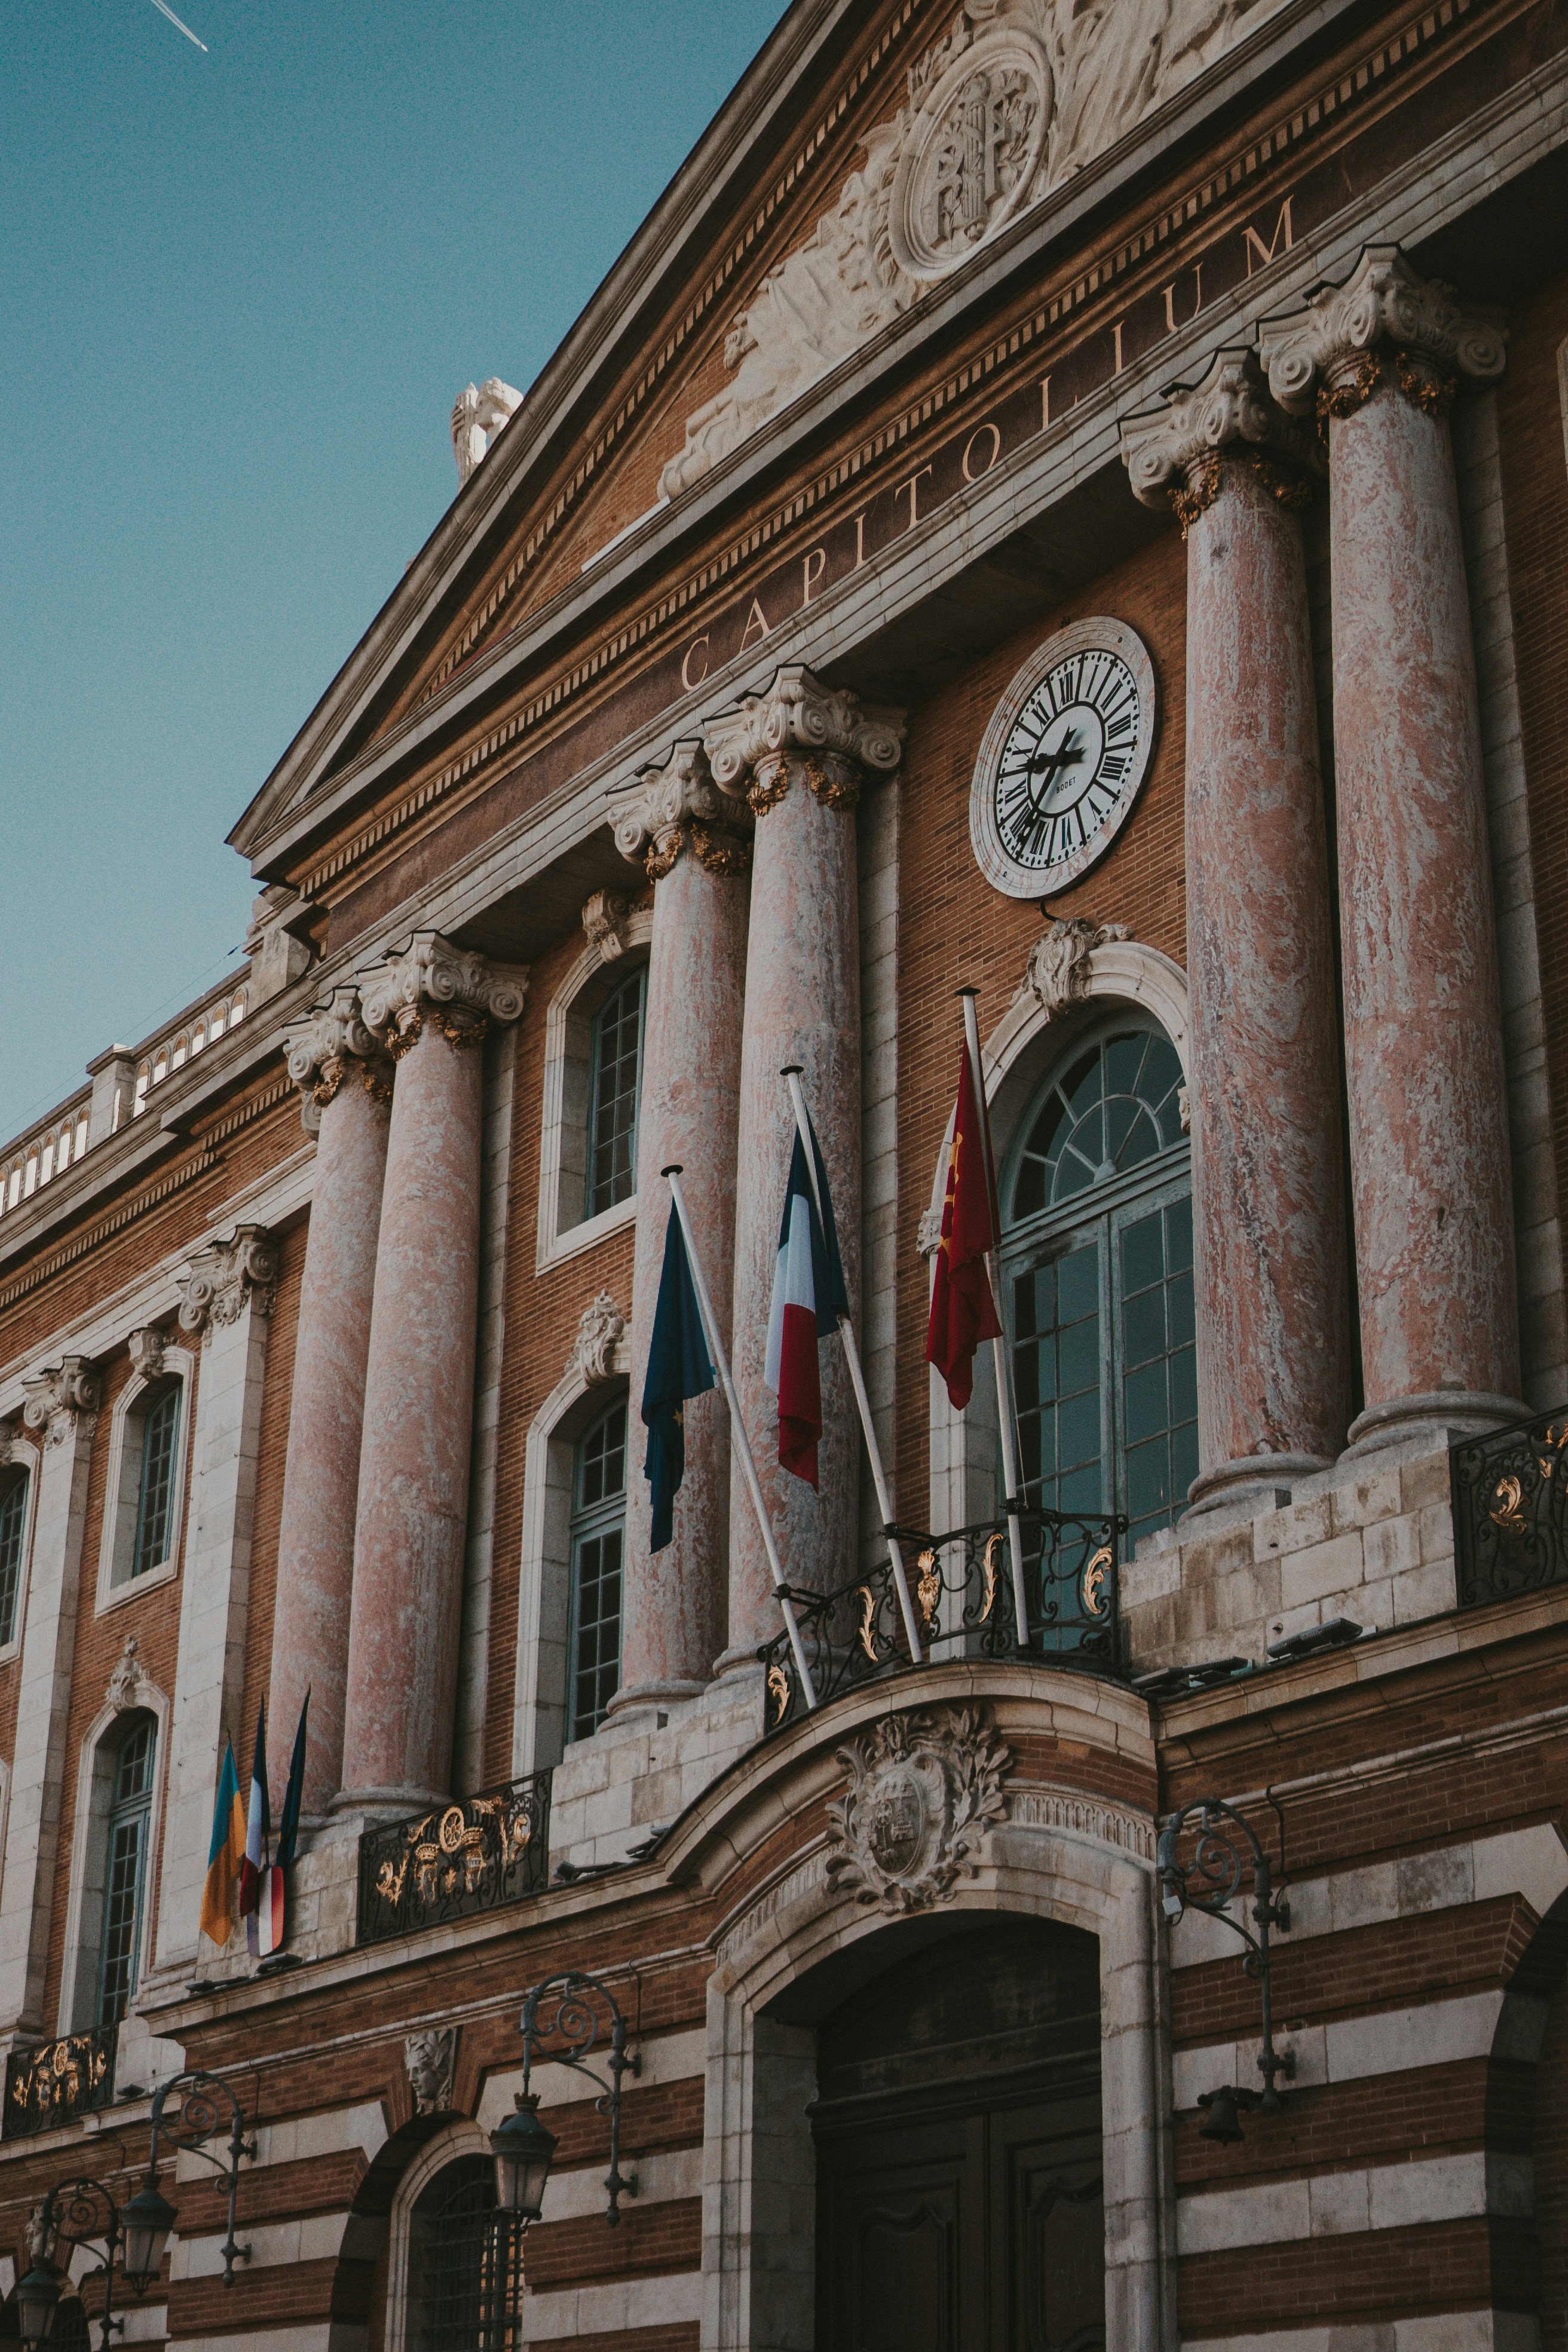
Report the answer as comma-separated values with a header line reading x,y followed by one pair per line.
x,y
962,1312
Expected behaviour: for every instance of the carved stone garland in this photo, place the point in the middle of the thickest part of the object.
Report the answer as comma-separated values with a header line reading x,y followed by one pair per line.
x,y
1178,452
802,732
677,807
335,1044
458,993
1385,326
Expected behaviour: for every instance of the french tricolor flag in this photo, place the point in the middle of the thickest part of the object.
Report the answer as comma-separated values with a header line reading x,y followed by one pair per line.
x,y
809,1297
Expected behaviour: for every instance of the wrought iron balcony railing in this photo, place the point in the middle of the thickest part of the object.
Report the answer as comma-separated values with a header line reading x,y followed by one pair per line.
x,y
72,2076
1509,1495
477,1853
962,1585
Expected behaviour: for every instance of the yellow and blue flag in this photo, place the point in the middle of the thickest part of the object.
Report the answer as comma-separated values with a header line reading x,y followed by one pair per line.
x,y
224,1854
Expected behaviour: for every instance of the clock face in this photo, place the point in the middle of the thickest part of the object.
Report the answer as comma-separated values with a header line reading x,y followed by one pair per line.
x,y
1063,759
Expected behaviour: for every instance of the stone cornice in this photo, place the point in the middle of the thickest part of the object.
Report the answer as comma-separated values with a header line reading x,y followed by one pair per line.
x,y
459,991
825,732
1173,453
674,805
1384,305
322,1052
227,1278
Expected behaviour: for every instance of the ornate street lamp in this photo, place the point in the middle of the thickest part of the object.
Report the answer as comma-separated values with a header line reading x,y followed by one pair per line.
x,y
84,2214
1208,1884
572,2026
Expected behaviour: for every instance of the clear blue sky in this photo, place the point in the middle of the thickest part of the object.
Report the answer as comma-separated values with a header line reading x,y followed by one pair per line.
x,y
240,292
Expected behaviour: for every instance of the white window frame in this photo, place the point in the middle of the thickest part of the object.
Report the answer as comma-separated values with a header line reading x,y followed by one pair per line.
x,y
566,1111
544,1570
96,1760
116,1585
1014,1057
21,1453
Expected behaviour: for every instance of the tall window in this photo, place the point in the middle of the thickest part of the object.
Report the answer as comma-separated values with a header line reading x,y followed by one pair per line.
x,y
1098,1279
155,1498
452,2281
598,1540
613,1095
125,1873
13,1535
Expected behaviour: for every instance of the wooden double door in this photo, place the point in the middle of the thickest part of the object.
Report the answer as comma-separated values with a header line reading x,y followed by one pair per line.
x,y
960,2200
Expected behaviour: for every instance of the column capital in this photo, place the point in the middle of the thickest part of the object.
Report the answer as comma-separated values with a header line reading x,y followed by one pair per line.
x,y
333,1044
1384,324
677,805
58,1396
1174,453
800,730
226,1278
429,978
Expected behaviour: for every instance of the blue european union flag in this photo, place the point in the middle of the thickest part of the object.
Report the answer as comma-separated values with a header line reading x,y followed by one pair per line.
x,y
678,1368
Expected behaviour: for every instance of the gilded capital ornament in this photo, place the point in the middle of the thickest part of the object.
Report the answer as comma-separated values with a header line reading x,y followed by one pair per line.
x,y
1385,325
333,1046
227,1278
429,978
59,1397
801,731
675,806
1174,453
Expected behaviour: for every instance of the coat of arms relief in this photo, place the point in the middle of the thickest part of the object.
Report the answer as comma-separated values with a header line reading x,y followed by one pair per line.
x,y
924,1790
1016,98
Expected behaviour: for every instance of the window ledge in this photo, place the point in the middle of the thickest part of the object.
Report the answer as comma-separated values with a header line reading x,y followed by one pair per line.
x,y
117,1595
588,1234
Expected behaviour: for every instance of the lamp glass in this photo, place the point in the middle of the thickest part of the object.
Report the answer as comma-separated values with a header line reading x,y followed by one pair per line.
x,y
149,2218
522,2150
38,2300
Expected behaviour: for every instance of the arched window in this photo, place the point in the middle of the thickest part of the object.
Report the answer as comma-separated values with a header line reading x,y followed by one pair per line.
x,y
598,1541
13,1546
155,1497
143,1080
1099,1282
613,1095
125,1867
452,2300
236,1011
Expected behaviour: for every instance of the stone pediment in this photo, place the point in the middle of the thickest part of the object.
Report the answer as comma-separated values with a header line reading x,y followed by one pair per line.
x,y
926,143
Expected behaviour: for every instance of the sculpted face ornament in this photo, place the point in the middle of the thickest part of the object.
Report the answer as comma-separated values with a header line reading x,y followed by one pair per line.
x,y
924,1788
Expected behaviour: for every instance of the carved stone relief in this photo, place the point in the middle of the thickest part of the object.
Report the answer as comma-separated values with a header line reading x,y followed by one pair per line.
x,y
431,2059
145,1348
605,923
227,1278
924,1788
58,1396
479,413
599,1333
1057,969
127,1685
1016,96
458,991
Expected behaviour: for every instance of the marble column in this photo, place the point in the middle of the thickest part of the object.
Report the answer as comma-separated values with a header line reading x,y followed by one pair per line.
x,y
345,1084
1379,361
227,1295
799,754
1273,1338
692,842
59,1415
430,1005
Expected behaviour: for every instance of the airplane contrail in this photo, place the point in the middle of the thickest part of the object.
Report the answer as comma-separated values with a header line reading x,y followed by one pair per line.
x,y
184,28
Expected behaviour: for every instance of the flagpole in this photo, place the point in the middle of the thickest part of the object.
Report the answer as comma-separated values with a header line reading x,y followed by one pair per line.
x,y
790,1076
738,1437
1006,1411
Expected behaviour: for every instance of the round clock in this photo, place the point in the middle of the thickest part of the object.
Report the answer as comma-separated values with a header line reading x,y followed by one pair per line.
x,y
1063,759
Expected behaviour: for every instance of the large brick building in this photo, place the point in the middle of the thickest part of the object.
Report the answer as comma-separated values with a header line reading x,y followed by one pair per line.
x,y
1064,501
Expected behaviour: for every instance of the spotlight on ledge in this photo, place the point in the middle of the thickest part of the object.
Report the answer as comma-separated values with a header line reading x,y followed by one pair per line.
x,y
1175,1682
1337,1634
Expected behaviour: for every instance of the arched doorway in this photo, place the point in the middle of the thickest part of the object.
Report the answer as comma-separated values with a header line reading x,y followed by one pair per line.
x,y
957,2131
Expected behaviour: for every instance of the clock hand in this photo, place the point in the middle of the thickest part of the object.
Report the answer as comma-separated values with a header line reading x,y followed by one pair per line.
x,y
1050,763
